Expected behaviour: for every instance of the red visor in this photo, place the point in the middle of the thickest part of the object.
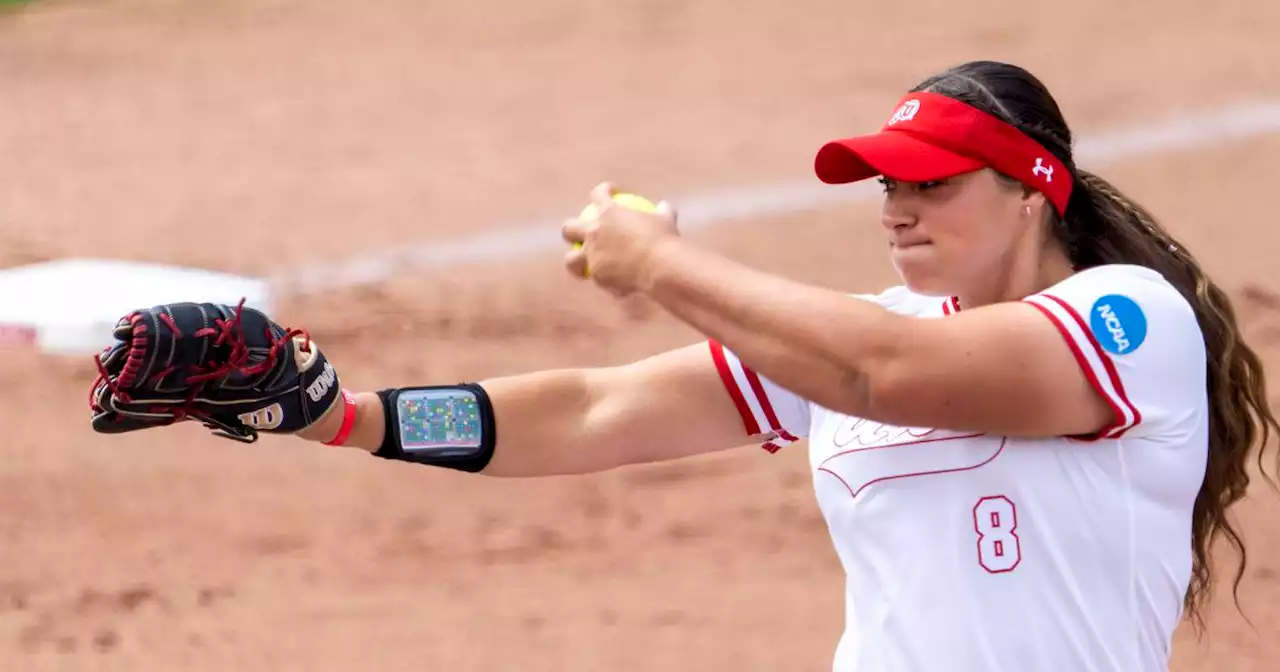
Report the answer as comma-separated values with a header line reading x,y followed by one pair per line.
x,y
932,137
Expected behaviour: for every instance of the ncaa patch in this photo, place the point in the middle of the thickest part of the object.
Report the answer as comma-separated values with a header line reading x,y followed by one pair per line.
x,y
1118,324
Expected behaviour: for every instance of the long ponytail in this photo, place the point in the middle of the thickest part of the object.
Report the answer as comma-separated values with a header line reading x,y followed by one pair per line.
x,y
1103,226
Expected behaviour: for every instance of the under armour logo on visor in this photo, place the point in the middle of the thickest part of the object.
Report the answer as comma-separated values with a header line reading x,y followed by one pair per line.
x,y
906,112
1041,169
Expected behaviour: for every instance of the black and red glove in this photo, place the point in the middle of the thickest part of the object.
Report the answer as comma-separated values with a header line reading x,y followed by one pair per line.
x,y
228,367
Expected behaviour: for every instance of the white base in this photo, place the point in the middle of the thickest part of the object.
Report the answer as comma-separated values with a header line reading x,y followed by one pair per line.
x,y
70,306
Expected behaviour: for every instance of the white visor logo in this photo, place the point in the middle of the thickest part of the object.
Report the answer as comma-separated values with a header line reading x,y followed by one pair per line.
x,y
906,112
1041,169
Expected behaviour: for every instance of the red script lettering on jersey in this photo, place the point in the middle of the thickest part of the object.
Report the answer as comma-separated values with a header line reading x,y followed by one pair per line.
x,y
882,452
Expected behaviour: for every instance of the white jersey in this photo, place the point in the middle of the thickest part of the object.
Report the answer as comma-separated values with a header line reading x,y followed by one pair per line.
x,y
971,552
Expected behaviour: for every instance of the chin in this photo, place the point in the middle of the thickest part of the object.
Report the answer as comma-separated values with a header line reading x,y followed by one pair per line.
x,y
923,279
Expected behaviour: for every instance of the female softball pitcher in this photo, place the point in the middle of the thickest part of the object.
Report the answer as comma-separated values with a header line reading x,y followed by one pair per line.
x,y
1023,453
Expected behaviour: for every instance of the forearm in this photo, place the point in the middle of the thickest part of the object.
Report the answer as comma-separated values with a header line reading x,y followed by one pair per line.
x,y
540,419
818,343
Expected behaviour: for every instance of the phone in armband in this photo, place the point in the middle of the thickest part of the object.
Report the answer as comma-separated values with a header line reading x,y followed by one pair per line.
x,y
440,423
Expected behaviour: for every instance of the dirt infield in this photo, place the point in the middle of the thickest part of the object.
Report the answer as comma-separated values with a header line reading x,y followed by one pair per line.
x,y
303,132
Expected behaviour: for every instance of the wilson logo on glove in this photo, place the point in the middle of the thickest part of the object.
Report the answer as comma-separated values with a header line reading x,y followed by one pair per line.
x,y
264,418
317,389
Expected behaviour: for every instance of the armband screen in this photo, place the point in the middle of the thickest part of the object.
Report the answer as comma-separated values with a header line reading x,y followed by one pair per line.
x,y
439,422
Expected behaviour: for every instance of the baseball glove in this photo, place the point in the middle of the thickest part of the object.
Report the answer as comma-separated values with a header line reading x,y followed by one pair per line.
x,y
228,367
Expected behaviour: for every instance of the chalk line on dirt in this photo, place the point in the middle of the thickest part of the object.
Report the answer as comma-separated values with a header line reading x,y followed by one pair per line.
x,y
542,235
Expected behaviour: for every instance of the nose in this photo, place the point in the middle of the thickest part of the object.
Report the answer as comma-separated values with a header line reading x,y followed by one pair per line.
x,y
896,213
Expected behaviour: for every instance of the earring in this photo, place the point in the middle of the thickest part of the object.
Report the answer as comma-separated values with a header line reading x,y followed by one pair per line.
x,y
1026,210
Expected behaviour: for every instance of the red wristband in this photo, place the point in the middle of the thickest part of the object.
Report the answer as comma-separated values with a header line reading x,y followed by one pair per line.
x,y
348,419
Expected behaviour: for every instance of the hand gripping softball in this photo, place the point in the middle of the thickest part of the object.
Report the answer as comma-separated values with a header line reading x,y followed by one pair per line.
x,y
228,367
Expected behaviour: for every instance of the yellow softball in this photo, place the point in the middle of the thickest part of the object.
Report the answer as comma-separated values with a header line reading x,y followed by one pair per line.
x,y
625,200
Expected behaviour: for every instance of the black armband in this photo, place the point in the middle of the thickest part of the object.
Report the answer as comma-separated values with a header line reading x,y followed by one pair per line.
x,y
447,426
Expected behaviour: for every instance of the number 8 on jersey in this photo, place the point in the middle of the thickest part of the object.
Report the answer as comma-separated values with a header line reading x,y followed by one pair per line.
x,y
995,519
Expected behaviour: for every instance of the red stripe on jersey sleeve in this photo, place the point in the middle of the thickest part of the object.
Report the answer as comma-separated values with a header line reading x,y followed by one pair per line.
x,y
1106,363
1088,373
731,385
762,397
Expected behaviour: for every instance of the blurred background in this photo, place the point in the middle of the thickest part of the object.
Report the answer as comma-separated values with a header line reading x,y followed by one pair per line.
x,y
397,170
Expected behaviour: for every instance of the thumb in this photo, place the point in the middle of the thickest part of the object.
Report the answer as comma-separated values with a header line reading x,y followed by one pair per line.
x,y
602,196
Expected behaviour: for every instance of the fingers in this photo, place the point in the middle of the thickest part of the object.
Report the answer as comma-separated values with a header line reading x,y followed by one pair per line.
x,y
574,231
575,261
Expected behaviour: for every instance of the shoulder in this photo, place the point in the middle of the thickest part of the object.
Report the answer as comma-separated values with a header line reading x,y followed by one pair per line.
x,y
1123,277
1123,307
1138,341
1136,282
